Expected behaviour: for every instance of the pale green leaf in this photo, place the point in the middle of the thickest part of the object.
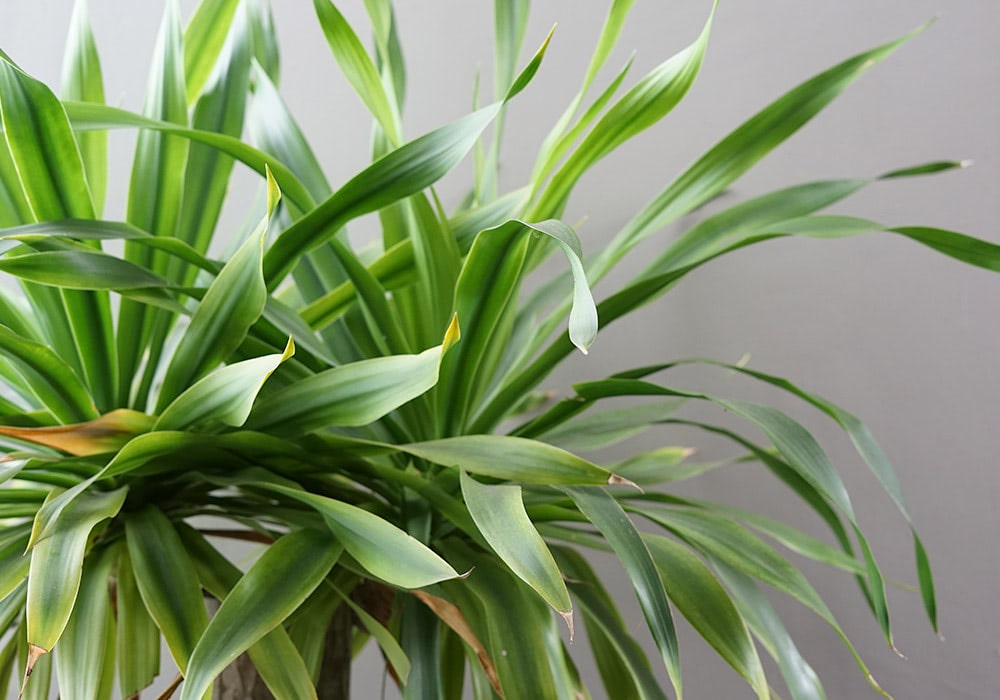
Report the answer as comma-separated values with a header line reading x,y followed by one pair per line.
x,y
204,37
57,565
512,458
225,396
82,81
499,514
359,69
354,394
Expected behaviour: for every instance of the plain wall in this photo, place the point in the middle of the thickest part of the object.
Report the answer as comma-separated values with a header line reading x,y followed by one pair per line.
x,y
903,337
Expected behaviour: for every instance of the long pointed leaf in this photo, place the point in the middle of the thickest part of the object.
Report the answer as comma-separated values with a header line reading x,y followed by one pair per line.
x,y
277,583
57,565
499,514
607,516
82,81
166,581
232,304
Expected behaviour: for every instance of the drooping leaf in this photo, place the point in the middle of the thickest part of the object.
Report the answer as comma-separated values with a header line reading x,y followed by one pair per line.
x,y
511,458
760,616
707,606
607,516
105,434
167,581
499,514
57,565
623,666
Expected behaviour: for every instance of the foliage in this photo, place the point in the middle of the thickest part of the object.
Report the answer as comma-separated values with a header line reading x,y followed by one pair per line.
x,y
372,419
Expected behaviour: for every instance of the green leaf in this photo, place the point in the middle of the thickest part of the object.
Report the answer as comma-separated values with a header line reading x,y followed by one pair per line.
x,y
719,538
82,81
88,640
275,657
387,643
496,263
359,69
876,460
48,162
518,651
558,141
273,128
511,458
284,576
225,396
54,383
265,39
624,668
167,581
203,41
86,116
13,559
760,616
597,430
379,547
42,147
80,269
232,304
739,151
708,607
499,514
352,395
219,109
607,516
57,565
138,638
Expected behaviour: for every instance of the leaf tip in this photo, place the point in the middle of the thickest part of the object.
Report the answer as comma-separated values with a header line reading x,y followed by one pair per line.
x,y
615,480
35,652
452,335
273,191
567,616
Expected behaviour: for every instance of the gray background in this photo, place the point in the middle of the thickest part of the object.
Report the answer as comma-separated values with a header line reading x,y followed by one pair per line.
x,y
901,336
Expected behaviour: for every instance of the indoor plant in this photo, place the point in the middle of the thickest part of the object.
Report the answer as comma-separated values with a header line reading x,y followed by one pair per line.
x,y
193,446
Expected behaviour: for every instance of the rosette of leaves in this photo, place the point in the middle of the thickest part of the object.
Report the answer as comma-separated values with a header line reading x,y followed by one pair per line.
x,y
370,418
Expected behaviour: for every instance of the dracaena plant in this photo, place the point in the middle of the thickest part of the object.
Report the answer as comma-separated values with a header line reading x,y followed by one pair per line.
x,y
372,420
